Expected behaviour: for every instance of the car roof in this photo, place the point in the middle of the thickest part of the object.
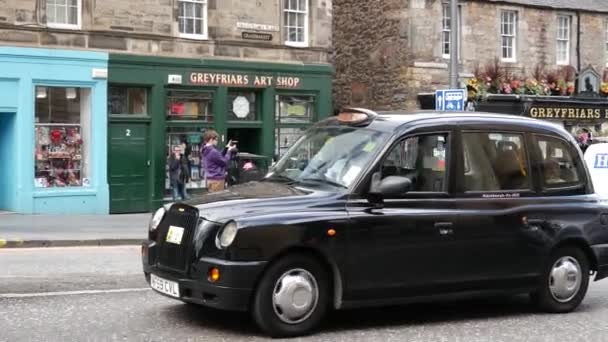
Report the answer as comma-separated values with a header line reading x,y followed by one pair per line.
x,y
391,121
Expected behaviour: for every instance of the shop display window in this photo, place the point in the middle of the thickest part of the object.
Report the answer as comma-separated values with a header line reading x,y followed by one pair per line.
x,y
61,132
295,109
194,139
285,138
242,106
127,100
190,105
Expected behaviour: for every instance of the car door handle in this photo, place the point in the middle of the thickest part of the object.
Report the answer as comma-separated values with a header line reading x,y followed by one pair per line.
x,y
445,228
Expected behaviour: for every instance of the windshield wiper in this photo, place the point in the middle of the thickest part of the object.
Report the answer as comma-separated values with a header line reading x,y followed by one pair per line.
x,y
326,181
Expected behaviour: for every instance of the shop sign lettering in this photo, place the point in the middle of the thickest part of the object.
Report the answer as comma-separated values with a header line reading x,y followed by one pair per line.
x,y
568,113
242,80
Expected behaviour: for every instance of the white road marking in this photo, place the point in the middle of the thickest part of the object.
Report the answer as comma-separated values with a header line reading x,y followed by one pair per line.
x,y
69,293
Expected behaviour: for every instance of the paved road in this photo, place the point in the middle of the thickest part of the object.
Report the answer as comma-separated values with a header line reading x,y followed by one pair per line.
x,y
42,305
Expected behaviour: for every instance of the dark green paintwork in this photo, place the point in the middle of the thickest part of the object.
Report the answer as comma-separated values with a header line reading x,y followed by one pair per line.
x,y
152,72
128,167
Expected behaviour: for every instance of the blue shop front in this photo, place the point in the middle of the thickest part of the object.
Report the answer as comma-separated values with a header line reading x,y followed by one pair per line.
x,y
53,131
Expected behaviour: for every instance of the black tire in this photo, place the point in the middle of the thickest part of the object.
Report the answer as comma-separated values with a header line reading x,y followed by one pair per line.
x,y
263,310
543,297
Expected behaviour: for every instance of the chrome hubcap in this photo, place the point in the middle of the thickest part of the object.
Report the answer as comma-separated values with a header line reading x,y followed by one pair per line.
x,y
295,296
565,279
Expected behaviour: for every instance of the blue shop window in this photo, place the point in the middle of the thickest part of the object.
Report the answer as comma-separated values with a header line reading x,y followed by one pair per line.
x,y
62,132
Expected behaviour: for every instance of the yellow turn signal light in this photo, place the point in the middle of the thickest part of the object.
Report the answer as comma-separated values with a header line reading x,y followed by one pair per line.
x,y
331,232
214,274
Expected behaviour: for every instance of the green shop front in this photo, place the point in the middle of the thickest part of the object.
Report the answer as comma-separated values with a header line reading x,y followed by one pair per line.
x,y
157,103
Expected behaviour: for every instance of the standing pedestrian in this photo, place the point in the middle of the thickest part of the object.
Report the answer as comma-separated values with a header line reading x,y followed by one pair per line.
x,y
178,173
214,161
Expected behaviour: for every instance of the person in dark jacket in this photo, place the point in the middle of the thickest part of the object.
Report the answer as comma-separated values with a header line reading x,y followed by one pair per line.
x,y
178,173
215,161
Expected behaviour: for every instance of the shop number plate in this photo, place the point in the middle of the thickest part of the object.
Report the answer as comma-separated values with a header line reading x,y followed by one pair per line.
x,y
175,234
165,286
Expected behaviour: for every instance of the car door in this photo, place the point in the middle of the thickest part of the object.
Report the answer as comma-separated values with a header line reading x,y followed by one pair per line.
x,y
496,203
402,248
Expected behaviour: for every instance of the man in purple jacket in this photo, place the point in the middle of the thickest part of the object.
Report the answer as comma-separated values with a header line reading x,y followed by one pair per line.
x,y
215,161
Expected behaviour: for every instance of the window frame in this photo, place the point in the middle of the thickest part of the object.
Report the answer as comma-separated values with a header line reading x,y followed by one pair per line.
x,y
306,28
543,189
177,92
76,26
606,41
446,13
532,181
205,18
449,169
279,125
126,86
85,129
560,39
513,35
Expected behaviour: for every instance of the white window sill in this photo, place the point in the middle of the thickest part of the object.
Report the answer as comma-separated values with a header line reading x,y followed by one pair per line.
x,y
297,44
193,36
563,63
63,26
508,60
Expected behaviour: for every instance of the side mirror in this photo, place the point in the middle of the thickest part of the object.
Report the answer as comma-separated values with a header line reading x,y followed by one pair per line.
x,y
395,185
389,186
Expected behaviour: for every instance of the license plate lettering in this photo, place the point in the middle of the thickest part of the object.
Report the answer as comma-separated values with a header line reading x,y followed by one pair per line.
x,y
165,286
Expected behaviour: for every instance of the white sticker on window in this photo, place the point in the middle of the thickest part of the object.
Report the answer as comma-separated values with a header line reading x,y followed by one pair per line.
x,y
350,175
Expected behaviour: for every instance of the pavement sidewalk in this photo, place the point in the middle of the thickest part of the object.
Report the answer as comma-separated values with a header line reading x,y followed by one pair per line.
x,y
17,230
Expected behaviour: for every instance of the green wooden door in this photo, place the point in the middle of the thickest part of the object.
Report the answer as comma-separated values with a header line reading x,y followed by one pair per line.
x,y
128,164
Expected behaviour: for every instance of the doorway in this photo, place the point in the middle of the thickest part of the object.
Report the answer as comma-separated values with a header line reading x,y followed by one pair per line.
x,y
128,168
249,139
8,166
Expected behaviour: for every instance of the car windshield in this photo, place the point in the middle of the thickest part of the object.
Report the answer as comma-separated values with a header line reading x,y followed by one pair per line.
x,y
329,156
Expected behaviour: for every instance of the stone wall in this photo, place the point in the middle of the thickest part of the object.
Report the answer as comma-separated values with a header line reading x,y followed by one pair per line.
x,y
150,27
370,48
413,29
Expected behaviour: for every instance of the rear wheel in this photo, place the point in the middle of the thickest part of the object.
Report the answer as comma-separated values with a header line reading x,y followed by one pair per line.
x,y
564,281
292,297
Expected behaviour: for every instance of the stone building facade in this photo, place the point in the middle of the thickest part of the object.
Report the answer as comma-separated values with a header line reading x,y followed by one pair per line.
x,y
389,51
151,27
104,92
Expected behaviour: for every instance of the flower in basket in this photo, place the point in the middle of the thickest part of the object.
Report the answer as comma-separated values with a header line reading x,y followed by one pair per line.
x,y
472,88
604,88
570,88
515,84
506,88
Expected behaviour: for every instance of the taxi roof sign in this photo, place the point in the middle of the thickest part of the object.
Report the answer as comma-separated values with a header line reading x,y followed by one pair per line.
x,y
354,116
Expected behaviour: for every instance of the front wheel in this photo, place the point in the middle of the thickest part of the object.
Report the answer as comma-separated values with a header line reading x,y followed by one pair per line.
x,y
292,297
564,281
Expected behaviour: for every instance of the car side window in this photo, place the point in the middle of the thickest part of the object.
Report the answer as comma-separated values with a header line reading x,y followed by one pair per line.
x,y
422,159
558,167
495,162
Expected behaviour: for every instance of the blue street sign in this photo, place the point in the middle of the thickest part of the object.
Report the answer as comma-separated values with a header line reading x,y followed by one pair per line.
x,y
450,99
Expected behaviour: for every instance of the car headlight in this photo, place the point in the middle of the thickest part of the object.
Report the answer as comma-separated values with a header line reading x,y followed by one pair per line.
x,y
227,234
156,218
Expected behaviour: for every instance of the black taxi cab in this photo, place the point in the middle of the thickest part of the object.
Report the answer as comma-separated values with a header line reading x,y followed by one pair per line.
x,y
375,208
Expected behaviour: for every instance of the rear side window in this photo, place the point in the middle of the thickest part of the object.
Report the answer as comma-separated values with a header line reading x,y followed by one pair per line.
x,y
495,162
559,167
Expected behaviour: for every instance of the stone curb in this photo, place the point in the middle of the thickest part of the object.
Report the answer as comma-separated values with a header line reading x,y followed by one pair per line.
x,y
16,243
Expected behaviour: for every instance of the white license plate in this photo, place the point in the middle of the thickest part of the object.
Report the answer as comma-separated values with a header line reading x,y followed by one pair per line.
x,y
175,234
165,286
